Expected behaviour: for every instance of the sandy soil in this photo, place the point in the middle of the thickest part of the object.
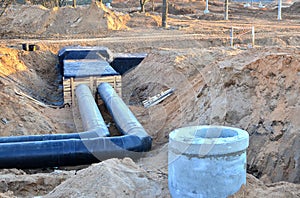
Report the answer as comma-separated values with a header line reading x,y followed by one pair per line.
x,y
35,19
256,89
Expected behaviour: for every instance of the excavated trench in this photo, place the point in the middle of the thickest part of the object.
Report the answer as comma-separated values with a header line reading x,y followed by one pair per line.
x,y
262,89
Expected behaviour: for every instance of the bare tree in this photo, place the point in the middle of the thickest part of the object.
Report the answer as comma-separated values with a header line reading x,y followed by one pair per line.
x,y
142,4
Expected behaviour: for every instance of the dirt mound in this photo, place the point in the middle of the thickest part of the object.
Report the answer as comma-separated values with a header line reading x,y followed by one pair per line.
x,y
176,9
263,101
15,182
255,90
293,9
256,188
87,20
211,17
149,20
32,74
110,178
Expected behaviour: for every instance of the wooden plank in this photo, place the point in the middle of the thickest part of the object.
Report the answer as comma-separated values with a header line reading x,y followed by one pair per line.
x,y
91,83
72,91
87,82
68,100
67,93
106,78
114,82
66,81
70,84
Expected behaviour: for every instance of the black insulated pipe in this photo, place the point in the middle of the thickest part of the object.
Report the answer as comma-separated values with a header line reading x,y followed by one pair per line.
x,y
79,148
125,120
89,112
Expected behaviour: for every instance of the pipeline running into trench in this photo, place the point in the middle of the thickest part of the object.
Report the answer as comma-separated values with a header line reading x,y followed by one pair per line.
x,y
92,145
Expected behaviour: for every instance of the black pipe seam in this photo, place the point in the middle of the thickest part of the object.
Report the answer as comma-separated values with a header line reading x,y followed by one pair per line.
x,y
42,151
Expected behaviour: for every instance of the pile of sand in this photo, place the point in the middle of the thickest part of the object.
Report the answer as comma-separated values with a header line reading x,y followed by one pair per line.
x,y
18,183
94,19
111,178
148,20
293,9
176,10
256,188
33,74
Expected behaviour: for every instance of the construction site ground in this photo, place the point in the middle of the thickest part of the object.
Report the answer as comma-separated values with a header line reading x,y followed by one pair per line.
x,y
255,88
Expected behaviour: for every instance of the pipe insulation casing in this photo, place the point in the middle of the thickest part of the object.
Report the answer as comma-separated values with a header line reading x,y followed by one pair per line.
x,y
69,152
47,137
125,120
39,154
91,117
